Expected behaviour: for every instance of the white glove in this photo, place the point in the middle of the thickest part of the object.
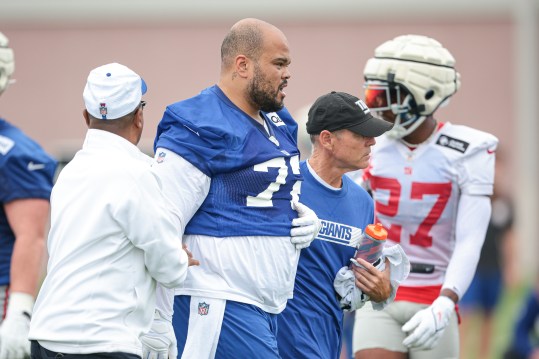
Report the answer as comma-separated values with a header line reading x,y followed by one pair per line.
x,y
160,341
14,343
428,325
305,227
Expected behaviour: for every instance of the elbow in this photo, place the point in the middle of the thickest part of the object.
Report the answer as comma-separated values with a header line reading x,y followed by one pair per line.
x,y
177,272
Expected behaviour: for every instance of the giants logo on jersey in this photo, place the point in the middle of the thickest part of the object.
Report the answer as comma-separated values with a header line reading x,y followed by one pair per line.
x,y
338,233
452,143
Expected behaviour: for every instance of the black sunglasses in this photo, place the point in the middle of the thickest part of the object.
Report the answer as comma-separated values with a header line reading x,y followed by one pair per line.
x,y
142,104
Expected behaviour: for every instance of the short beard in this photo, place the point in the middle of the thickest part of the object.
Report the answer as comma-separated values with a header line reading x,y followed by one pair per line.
x,y
262,95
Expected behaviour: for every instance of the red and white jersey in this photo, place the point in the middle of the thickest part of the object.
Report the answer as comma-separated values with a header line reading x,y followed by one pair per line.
x,y
416,192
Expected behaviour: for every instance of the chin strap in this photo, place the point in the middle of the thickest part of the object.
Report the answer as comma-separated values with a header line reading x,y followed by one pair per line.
x,y
415,145
408,117
399,131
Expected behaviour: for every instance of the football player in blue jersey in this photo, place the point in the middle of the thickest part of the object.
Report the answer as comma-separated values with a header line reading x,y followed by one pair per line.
x,y
228,159
342,132
26,177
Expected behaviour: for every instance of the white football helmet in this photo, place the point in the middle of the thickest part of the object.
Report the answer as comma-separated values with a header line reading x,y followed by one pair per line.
x,y
411,75
7,62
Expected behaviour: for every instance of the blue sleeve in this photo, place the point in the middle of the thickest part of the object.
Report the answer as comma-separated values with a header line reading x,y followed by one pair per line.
x,y
201,147
27,175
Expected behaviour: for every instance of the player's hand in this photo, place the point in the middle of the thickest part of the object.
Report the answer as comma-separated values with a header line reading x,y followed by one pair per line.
x,y
160,341
14,343
428,325
305,227
192,261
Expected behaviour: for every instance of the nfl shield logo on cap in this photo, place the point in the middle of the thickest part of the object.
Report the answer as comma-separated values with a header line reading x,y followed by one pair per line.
x,y
112,91
103,109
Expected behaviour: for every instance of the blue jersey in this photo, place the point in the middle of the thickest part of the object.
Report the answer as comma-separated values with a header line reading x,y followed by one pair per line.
x,y
311,325
26,171
253,174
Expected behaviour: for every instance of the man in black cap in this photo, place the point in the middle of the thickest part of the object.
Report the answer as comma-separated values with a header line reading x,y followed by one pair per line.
x,y
342,132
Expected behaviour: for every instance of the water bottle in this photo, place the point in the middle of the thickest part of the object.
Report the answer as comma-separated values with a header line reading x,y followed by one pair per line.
x,y
371,243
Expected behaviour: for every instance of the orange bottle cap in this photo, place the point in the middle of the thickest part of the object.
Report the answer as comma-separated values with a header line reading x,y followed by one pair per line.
x,y
376,231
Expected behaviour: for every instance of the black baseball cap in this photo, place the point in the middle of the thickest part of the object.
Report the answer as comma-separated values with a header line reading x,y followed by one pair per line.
x,y
339,110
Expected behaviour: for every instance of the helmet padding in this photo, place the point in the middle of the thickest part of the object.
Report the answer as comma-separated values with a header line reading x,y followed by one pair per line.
x,y
7,62
422,67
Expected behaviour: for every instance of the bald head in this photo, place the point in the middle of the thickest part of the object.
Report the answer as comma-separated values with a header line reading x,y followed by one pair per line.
x,y
254,66
246,37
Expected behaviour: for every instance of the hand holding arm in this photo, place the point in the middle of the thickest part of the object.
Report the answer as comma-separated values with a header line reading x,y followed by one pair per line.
x,y
192,261
305,227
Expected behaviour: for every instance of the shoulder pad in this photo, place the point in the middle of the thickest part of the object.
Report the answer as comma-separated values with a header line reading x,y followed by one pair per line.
x,y
465,139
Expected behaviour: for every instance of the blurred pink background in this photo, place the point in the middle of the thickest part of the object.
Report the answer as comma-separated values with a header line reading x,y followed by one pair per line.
x,y
175,46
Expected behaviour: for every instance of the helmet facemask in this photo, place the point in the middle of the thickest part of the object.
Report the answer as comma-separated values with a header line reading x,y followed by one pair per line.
x,y
383,96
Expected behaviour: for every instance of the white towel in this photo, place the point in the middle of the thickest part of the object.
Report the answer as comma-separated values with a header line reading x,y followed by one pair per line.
x,y
352,297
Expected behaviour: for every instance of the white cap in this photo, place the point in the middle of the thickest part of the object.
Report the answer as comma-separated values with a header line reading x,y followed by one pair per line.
x,y
113,91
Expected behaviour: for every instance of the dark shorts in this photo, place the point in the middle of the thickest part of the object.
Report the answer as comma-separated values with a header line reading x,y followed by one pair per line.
x,y
38,352
483,294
